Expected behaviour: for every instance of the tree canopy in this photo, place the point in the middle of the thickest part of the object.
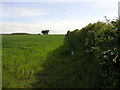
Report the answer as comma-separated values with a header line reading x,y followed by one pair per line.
x,y
45,32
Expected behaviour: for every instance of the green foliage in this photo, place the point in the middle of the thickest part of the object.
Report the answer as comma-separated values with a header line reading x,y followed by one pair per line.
x,y
45,32
99,41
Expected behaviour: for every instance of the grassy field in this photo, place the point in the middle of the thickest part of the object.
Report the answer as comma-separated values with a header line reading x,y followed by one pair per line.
x,y
23,56
86,58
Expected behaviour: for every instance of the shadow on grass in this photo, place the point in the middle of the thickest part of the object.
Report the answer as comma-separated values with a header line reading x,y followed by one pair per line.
x,y
60,70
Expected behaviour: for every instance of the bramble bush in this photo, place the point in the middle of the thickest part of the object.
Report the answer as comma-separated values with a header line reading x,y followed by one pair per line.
x,y
99,44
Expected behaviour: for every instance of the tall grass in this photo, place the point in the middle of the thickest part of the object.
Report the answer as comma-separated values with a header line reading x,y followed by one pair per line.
x,y
23,56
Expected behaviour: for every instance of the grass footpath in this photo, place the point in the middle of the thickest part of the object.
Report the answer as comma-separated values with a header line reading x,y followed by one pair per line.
x,y
23,56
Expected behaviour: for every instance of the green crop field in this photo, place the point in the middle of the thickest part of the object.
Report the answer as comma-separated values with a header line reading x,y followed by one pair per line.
x,y
23,56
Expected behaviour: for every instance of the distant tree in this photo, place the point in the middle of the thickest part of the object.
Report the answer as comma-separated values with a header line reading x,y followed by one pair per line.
x,y
20,34
45,32
68,32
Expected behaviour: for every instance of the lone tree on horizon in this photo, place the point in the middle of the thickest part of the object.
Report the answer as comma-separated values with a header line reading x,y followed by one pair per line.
x,y
45,32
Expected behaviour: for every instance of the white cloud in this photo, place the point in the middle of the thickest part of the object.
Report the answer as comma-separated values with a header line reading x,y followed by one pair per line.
x,y
29,12
21,11
53,26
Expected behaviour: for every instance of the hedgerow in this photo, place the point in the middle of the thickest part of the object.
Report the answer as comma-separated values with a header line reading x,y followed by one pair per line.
x,y
98,44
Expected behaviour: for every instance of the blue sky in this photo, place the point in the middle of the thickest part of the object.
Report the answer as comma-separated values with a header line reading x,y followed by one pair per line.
x,y
58,17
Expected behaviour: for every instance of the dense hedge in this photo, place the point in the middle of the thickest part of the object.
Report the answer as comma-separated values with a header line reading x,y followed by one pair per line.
x,y
97,48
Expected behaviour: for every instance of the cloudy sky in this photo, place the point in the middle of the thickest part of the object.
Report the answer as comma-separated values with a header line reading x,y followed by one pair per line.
x,y
59,17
